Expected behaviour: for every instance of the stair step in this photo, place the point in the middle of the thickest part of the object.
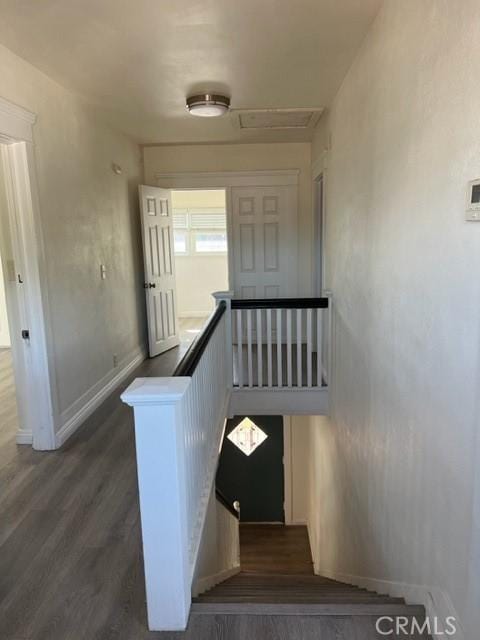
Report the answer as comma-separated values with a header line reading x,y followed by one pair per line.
x,y
299,600
287,588
291,593
285,579
299,609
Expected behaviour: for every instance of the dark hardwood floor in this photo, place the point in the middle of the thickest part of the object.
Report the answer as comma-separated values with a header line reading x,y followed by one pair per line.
x,y
70,548
267,548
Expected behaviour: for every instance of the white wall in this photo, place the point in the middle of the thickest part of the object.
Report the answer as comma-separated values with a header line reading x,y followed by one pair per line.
x,y
246,157
219,551
394,477
89,216
296,470
198,276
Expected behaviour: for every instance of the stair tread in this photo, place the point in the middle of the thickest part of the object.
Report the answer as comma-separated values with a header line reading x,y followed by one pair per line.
x,y
292,609
293,600
299,593
251,592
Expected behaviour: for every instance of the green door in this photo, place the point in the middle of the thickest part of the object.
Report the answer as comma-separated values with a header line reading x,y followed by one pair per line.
x,y
251,467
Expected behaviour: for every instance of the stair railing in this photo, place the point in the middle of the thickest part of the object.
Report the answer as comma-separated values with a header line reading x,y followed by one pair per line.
x,y
179,422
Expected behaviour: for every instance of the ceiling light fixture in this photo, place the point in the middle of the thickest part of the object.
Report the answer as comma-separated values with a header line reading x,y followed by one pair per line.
x,y
208,105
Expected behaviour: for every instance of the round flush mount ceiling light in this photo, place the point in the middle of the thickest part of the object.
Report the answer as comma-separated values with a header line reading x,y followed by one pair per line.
x,y
208,105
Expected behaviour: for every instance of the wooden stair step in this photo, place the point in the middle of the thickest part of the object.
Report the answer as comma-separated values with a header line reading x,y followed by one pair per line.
x,y
256,578
299,609
288,587
286,592
300,600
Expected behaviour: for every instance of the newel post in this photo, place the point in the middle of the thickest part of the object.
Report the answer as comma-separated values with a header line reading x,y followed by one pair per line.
x,y
330,346
157,404
227,297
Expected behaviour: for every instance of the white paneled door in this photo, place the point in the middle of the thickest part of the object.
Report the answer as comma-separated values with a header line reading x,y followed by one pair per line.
x,y
264,221
157,228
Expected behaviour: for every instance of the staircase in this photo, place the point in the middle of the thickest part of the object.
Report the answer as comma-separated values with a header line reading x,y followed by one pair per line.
x,y
277,595
287,594
260,606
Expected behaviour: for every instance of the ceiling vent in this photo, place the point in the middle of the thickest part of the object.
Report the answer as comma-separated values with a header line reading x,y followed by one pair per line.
x,y
255,119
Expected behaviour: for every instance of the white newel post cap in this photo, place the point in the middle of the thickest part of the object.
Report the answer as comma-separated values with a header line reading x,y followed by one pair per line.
x,y
222,295
155,390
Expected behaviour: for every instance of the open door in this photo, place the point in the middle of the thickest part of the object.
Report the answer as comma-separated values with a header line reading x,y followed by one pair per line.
x,y
157,233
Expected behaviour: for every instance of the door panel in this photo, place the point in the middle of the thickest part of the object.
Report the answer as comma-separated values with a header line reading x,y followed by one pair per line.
x,y
256,480
160,291
265,241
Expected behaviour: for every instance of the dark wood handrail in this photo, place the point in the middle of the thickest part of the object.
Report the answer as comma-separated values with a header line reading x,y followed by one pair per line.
x,y
281,303
188,363
224,501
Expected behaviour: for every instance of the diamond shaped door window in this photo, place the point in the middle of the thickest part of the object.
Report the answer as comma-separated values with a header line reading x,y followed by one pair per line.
x,y
247,436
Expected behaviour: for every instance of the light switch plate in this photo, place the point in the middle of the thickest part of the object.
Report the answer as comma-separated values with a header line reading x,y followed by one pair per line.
x,y
473,201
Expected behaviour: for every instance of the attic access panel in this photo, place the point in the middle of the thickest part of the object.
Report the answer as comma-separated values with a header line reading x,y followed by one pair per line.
x,y
278,118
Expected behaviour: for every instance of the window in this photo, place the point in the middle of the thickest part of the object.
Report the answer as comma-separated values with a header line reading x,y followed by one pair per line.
x,y
247,436
212,242
200,231
180,242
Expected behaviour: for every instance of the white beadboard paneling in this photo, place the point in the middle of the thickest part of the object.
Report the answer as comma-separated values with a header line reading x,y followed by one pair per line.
x,y
179,424
219,553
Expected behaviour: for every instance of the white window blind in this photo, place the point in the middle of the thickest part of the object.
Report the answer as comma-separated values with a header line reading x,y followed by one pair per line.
x,y
200,231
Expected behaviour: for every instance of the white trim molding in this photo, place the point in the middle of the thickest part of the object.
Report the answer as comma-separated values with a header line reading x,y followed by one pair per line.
x,y
280,401
73,417
33,363
224,179
15,122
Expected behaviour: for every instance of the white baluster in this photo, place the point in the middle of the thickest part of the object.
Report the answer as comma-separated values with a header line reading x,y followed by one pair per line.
x,y
240,347
279,348
289,347
299,347
259,348
269,347
309,347
329,344
319,348
249,348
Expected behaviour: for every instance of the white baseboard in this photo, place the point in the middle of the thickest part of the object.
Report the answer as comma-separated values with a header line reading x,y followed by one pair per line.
x,y
203,584
437,603
24,437
82,408
195,314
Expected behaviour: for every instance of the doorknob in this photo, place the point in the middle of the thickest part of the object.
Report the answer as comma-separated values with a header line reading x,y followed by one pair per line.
x,y
149,285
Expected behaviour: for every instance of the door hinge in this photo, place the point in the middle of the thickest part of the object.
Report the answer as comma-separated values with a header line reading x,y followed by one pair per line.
x,y
26,334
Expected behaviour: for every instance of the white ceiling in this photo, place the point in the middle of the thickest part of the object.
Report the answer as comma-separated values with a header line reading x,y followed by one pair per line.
x,y
137,59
